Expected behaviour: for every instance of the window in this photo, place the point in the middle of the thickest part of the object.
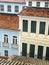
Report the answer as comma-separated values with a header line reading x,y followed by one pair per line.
x,y
16,9
23,7
9,8
1,7
38,4
30,3
48,29
33,26
5,38
42,28
25,25
14,40
6,53
46,4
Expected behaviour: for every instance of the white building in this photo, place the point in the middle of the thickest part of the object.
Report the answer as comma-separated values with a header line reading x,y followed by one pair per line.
x,y
38,3
11,6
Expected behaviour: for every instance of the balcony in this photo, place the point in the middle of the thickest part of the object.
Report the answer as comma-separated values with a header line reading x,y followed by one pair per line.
x,y
0,44
15,46
5,44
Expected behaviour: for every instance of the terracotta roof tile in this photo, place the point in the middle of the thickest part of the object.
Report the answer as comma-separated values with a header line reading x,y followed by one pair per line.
x,y
9,21
39,0
35,12
21,1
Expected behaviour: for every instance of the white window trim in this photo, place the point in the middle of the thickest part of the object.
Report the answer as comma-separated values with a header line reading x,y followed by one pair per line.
x,y
8,9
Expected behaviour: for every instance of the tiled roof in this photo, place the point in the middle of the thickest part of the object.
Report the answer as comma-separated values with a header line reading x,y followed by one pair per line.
x,y
35,12
20,60
38,0
9,21
20,1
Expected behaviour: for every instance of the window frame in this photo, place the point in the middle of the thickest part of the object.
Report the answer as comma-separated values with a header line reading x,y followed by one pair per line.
x,y
14,39
16,8
5,38
46,4
41,31
34,26
30,3
9,8
48,29
6,52
25,29
1,7
23,7
38,4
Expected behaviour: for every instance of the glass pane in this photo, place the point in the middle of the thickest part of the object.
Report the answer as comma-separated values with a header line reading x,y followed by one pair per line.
x,y
6,38
46,4
1,7
16,8
6,53
30,3
25,25
42,28
38,4
33,26
48,28
14,39
9,8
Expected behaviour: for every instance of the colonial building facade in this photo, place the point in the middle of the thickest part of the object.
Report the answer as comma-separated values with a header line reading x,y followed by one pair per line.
x,y
34,32
9,26
38,3
9,35
27,34
11,6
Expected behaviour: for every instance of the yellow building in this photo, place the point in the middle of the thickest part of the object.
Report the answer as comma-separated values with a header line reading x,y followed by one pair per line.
x,y
34,32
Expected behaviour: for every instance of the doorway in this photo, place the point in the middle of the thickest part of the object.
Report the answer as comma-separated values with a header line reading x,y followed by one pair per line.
x,y
32,50
24,49
40,52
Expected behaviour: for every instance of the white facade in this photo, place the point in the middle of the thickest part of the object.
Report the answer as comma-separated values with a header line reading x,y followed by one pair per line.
x,y
34,3
11,50
5,4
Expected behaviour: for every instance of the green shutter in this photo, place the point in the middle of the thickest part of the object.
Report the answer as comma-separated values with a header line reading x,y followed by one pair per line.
x,y
24,49
40,52
42,28
48,30
33,26
47,53
25,25
32,50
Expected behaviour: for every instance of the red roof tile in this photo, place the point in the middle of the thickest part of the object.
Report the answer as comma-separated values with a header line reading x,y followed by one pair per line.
x,y
20,1
35,12
9,21
40,0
